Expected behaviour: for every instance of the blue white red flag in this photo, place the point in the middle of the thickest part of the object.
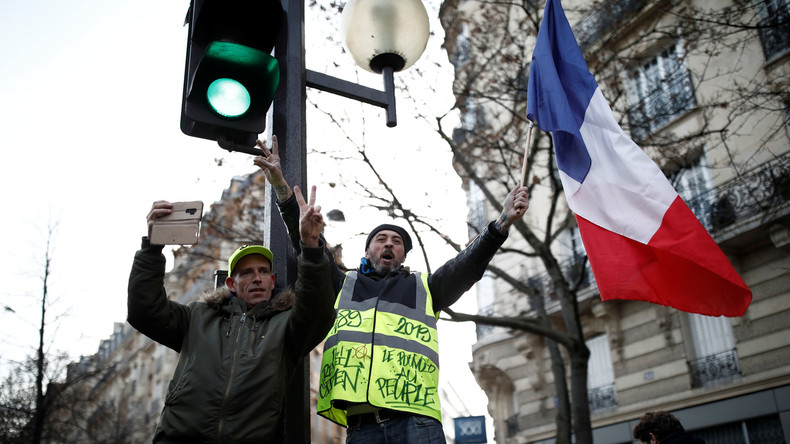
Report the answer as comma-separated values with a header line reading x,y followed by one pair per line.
x,y
643,242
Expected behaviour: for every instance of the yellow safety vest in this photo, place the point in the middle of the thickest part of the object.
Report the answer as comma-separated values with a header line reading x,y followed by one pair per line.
x,y
380,352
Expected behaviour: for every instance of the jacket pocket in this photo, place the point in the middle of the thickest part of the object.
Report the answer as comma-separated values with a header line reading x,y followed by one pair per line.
x,y
180,381
255,338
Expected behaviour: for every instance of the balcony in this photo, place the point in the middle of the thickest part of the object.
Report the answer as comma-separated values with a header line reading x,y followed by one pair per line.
x,y
714,368
760,195
774,28
604,18
663,99
602,398
576,270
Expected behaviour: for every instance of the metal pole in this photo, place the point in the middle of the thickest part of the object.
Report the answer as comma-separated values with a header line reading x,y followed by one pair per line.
x,y
289,124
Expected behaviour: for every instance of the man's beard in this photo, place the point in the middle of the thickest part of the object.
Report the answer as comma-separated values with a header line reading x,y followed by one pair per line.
x,y
384,269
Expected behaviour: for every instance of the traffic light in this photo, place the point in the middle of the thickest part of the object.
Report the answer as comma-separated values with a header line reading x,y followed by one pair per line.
x,y
230,76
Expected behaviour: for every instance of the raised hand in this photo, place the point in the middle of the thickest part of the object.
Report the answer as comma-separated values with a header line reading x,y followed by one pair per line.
x,y
516,204
272,169
311,221
513,208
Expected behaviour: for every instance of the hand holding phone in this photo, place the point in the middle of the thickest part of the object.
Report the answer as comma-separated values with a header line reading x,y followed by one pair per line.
x,y
180,227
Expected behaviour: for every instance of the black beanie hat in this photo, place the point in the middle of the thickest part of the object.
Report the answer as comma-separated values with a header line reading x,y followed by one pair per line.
x,y
403,234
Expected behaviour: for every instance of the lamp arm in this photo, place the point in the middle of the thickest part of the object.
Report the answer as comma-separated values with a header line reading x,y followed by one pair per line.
x,y
383,99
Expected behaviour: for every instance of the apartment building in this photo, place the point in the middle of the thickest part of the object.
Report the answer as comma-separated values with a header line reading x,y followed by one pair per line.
x,y
703,87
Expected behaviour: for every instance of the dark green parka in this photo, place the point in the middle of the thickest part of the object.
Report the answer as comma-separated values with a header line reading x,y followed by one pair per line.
x,y
234,364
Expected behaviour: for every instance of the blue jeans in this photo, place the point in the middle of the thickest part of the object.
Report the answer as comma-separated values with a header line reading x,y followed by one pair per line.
x,y
413,429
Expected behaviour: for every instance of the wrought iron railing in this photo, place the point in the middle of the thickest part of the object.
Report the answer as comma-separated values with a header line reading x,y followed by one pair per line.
x,y
774,28
604,18
665,100
707,370
576,270
602,398
762,190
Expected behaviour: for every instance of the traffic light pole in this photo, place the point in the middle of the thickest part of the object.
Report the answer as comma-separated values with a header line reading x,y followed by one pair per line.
x,y
290,126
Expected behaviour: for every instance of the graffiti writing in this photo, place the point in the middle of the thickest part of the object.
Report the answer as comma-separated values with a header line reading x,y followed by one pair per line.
x,y
331,377
344,368
347,318
416,361
405,389
409,328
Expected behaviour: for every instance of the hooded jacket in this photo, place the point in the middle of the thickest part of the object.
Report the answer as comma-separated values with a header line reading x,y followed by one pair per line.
x,y
234,364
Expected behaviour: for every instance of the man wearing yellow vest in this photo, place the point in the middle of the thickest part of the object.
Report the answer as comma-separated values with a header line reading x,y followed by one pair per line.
x,y
380,370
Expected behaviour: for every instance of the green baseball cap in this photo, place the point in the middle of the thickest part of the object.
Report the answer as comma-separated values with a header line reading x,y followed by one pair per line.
x,y
246,250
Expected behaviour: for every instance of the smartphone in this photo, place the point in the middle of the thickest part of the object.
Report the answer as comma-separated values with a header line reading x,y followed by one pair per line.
x,y
181,227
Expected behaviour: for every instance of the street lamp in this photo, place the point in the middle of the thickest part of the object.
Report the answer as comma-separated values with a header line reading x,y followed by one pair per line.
x,y
376,32
382,34
385,36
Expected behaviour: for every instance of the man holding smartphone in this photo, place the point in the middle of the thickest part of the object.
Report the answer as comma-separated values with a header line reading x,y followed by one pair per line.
x,y
239,345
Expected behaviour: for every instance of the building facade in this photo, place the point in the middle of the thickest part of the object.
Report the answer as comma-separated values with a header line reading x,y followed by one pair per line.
x,y
703,87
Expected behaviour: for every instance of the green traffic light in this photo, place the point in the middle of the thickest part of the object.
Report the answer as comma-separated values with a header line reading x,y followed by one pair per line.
x,y
228,98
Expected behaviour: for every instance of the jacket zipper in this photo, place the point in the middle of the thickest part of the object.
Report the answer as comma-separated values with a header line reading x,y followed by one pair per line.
x,y
231,377
251,337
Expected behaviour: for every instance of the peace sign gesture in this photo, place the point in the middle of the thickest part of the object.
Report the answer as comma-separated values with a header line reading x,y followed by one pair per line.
x,y
311,221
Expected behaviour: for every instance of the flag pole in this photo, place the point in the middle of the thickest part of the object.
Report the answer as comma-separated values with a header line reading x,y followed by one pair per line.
x,y
526,155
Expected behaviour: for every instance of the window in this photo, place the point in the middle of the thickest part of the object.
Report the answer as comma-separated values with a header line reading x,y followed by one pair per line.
x,y
787,117
774,26
659,91
763,430
577,269
472,118
478,219
693,184
522,83
715,358
462,46
600,374
485,304
512,421
576,242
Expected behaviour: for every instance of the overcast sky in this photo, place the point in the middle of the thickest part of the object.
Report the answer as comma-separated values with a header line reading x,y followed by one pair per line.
x,y
89,123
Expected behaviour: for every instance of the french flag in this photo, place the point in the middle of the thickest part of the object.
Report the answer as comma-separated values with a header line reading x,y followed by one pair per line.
x,y
643,242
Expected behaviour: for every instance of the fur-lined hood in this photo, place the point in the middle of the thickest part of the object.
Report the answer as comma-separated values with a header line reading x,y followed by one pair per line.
x,y
282,300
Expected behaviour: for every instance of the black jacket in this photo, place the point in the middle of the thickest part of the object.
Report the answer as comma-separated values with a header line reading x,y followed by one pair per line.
x,y
681,438
234,364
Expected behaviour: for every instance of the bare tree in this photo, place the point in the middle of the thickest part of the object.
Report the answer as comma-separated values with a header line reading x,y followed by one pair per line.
x,y
43,397
26,399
